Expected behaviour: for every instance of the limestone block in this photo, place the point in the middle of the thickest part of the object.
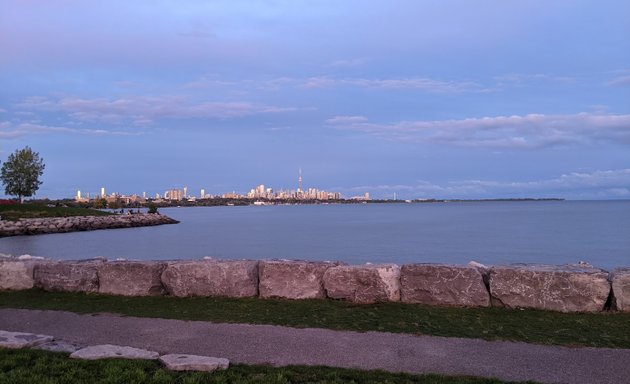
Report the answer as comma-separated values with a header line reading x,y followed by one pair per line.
x,y
439,284
292,279
177,362
229,278
363,284
108,351
130,278
621,288
16,275
16,340
68,276
558,288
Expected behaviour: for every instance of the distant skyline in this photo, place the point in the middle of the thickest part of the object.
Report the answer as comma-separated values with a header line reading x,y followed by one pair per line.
x,y
422,99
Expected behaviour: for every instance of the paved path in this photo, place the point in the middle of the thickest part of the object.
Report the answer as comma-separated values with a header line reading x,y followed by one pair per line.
x,y
258,344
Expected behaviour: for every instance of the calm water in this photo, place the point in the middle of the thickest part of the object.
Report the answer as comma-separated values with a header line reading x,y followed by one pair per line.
x,y
488,232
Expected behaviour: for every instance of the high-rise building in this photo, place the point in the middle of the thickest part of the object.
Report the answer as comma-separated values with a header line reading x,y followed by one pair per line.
x,y
103,192
300,181
185,192
203,193
79,195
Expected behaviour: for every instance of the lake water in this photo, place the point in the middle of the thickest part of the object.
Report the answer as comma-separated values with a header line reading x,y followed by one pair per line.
x,y
552,232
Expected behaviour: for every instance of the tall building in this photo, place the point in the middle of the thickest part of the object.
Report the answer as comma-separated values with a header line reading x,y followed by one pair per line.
x,y
203,193
300,181
79,195
103,192
185,192
174,194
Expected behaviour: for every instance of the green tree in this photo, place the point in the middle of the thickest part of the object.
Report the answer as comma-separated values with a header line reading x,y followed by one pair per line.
x,y
20,173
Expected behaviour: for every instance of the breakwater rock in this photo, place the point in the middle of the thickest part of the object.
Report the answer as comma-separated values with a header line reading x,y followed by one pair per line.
x,y
557,288
80,223
564,288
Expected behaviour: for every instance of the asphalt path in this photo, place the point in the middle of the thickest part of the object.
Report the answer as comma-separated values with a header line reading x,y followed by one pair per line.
x,y
267,344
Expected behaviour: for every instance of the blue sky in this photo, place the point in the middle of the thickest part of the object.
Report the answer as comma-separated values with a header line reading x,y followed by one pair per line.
x,y
425,99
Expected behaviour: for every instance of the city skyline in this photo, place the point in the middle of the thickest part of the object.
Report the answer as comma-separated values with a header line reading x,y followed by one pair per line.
x,y
260,191
447,100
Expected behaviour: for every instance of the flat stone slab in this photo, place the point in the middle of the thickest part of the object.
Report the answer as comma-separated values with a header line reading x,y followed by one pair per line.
x,y
17,340
108,351
177,362
58,346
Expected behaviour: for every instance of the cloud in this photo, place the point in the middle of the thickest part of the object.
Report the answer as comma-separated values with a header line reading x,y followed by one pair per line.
x,y
347,120
522,78
620,81
596,184
349,63
514,132
144,110
417,83
12,131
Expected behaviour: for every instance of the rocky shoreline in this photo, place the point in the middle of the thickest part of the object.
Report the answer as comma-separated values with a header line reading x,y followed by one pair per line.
x,y
40,226
563,288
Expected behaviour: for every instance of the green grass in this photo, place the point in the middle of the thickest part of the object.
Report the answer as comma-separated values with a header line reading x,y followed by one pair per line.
x,y
33,366
23,211
541,327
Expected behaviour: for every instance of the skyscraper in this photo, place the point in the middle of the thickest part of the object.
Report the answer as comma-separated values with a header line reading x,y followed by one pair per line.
x,y
300,181
102,191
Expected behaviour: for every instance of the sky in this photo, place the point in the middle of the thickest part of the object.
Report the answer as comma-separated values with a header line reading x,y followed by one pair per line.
x,y
417,98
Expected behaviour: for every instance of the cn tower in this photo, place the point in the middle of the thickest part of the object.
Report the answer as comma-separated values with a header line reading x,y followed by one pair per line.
x,y
300,180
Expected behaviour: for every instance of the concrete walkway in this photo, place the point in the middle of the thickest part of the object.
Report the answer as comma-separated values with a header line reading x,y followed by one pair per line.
x,y
260,344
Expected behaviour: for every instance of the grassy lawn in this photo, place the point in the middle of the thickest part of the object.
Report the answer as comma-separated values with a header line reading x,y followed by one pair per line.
x,y
33,366
19,211
541,327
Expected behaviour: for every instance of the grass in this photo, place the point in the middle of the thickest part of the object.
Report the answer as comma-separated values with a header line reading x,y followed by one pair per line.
x,y
540,327
23,211
34,366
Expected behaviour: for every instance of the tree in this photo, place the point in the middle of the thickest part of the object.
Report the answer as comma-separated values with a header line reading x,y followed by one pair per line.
x,y
20,173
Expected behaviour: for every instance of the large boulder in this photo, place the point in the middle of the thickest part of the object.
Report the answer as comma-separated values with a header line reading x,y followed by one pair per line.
x,y
129,278
229,278
292,279
621,288
565,288
16,274
68,276
438,284
363,284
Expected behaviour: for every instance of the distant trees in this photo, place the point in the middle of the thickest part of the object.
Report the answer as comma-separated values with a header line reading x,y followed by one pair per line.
x,y
99,203
20,173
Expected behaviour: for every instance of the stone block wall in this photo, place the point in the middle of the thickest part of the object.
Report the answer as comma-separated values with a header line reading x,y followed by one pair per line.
x,y
567,288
